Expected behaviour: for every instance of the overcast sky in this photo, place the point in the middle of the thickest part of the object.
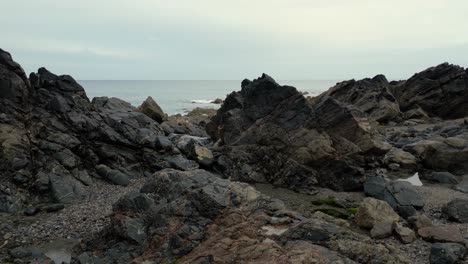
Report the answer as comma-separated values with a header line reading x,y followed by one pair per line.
x,y
235,39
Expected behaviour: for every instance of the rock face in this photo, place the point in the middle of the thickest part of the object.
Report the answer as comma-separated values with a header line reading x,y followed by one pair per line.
x,y
273,134
54,140
372,96
440,91
196,217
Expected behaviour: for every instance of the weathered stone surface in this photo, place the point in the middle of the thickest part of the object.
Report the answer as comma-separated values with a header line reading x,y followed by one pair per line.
x,y
405,234
271,133
382,230
447,253
400,193
150,108
440,91
441,234
457,210
373,211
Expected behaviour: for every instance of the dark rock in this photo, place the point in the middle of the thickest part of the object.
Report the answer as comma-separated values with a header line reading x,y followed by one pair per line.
x,y
114,176
375,187
150,108
463,185
444,177
419,221
457,210
406,211
440,91
217,101
163,143
53,208
447,253
382,230
30,211
179,162
401,193
371,96
271,133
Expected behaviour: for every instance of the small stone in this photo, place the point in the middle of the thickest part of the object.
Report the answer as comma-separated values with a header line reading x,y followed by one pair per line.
x,y
405,234
419,221
457,210
30,211
382,230
53,208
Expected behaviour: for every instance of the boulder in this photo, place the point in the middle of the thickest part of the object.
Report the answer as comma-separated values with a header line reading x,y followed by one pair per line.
x,y
373,211
150,108
444,177
375,187
402,193
447,253
441,234
419,221
457,210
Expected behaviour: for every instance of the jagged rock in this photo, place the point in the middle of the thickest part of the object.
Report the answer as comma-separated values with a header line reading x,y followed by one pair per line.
x,y
371,96
457,210
181,163
273,134
373,211
447,253
375,187
440,91
150,108
463,185
441,234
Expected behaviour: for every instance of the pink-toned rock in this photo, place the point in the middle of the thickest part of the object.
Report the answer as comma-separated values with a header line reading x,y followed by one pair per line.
x,y
441,234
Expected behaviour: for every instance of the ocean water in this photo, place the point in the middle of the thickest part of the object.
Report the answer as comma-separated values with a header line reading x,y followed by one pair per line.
x,y
179,97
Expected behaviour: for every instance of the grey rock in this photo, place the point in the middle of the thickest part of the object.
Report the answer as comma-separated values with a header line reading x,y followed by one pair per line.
x,y
163,143
179,162
375,187
444,177
150,108
447,253
53,208
401,193
382,230
114,176
457,210
405,234
30,211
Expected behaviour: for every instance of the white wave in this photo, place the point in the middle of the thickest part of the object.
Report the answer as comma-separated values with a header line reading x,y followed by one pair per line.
x,y
201,101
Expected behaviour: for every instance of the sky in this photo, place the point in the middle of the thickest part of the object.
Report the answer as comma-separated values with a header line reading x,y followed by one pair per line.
x,y
233,40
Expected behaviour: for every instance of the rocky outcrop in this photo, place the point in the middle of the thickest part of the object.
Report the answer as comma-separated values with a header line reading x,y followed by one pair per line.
x,y
372,96
196,217
271,133
440,91
54,140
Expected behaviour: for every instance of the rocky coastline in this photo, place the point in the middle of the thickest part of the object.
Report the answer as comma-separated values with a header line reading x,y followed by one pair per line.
x,y
272,176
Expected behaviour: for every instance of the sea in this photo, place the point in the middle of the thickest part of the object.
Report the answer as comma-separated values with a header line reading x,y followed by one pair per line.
x,y
180,97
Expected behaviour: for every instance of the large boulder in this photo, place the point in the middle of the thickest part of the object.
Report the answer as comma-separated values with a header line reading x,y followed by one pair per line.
x,y
447,253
